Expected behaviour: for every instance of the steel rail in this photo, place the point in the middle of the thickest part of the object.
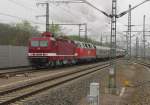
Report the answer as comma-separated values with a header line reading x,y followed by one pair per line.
x,y
16,71
12,72
42,84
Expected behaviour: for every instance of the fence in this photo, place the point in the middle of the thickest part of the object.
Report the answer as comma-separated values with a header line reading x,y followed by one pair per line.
x,y
13,56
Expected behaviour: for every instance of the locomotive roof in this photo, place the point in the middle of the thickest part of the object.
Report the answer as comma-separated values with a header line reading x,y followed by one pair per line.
x,y
40,38
103,47
82,42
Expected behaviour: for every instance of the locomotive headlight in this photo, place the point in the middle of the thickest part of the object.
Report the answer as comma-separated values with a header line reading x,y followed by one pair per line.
x,y
30,54
38,48
89,52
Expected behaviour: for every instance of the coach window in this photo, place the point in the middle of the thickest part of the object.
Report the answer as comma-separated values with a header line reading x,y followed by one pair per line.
x,y
80,45
90,46
83,45
86,45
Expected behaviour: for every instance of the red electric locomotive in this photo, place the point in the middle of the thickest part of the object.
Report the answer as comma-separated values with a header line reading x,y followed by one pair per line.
x,y
50,51
46,50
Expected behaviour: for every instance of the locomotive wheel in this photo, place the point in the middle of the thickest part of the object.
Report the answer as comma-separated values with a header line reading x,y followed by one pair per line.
x,y
49,64
61,63
57,63
73,62
53,64
37,67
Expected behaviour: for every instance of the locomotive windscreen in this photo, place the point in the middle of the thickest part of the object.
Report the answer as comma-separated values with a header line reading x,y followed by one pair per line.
x,y
39,43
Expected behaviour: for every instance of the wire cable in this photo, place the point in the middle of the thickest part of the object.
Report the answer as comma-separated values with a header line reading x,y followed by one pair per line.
x,y
22,5
20,18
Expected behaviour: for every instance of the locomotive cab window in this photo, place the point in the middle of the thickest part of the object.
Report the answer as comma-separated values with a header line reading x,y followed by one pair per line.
x,y
82,45
44,43
38,43
34,43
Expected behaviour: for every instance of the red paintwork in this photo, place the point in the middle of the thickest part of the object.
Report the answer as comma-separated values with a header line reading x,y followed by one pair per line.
x,y
40,49
86,53
64,49
46,34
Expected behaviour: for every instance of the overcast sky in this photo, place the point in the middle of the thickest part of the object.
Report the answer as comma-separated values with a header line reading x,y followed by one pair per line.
x,y
74,13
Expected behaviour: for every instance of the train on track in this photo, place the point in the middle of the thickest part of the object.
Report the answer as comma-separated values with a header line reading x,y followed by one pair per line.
x,y
49,51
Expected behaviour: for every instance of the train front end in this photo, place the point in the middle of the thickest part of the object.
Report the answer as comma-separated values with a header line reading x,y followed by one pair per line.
x,y
40,49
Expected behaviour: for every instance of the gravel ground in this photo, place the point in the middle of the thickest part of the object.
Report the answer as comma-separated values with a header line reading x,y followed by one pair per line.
x,y
22,77
135,94
76,91
141,94
72,93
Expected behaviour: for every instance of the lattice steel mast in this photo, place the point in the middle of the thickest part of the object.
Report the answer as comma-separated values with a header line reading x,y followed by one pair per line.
x,y
129,32
144,40
112,76
47,15
137,47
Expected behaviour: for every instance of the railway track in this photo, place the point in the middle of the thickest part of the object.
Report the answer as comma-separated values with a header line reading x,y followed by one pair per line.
x,y
14,72
43,83
143,63
25,71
